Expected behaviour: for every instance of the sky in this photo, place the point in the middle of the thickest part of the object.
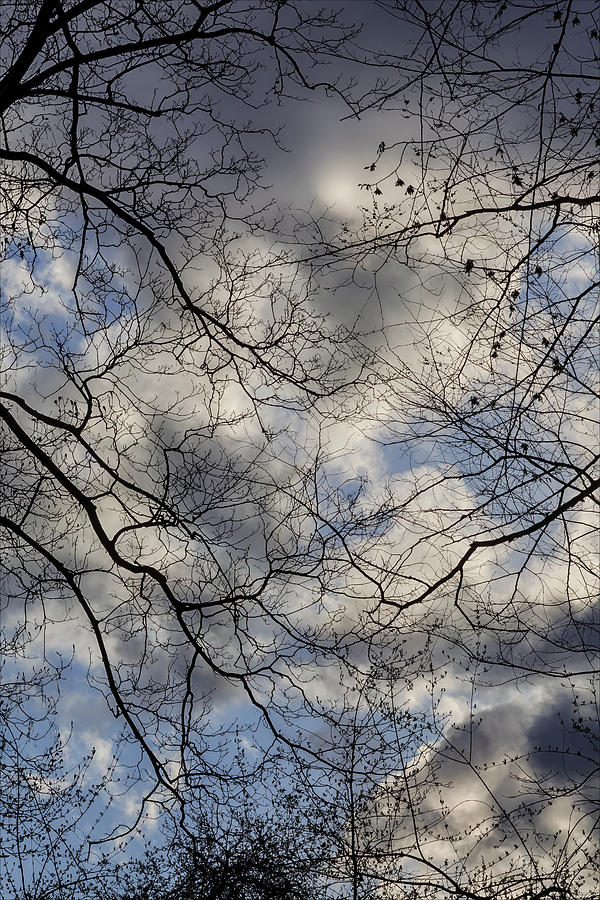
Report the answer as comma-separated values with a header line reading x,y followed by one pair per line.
x,y
420,510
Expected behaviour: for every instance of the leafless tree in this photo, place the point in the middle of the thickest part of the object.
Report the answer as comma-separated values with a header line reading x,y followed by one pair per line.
x,y
51,801
493,203
485,212
156,337
172,387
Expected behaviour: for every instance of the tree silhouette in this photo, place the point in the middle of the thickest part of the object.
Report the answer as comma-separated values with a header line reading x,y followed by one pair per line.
x,y
155,336
485,211
260,863
407,646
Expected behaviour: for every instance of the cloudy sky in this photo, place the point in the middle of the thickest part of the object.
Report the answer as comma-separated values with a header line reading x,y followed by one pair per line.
x,y
336,515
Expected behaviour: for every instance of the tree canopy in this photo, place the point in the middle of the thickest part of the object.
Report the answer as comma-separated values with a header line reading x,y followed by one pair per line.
x,y
299,513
